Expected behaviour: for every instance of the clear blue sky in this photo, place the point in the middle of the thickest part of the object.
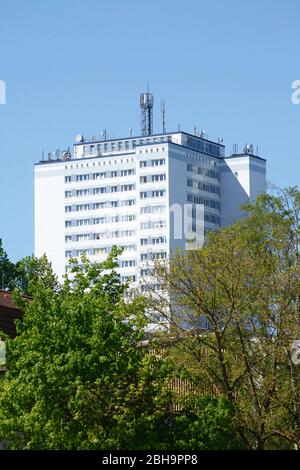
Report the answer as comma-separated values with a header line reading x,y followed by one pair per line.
x,y
75,66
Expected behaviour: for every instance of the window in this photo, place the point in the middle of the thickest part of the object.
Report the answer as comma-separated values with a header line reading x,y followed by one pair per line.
x,y
82,252
127,172
158,240
128,202
161,177
127,233
68,208
160,255
153,225
127,187
68,238
99,251
68,193
82,207
68,223
143,164
130,248
126,144
157,209
114,203
128,218
125,279
143,194
68,254
113,174
82,177
81,222
101,190
82,192
128,263
68,179
143,179
99,236
99,220
159,193
99,176
158,162
114,189
83,237
99,205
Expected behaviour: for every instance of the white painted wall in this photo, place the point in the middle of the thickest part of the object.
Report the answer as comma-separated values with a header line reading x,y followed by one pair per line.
x,y
49,214
242,179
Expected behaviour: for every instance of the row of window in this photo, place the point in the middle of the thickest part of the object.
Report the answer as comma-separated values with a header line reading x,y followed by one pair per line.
x,y
202,171
209,188
97,251
91,149
127,248
153,241
212,219
101,162
153,178
155,193
203,146
153,162
99,236
100,175
201,200
100,220
99,205
114,173
100,190
113,234
153,256
156,209
153,225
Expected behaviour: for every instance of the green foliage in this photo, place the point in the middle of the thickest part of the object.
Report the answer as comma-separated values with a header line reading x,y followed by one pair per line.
x,y
76,377
206,423
7,269
246,282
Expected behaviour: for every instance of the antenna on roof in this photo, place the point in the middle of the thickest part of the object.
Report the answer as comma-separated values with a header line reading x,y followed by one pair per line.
x,y
146,104
163,115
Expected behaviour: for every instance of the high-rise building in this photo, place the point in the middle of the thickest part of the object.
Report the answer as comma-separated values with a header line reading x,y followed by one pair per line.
x,y
150,194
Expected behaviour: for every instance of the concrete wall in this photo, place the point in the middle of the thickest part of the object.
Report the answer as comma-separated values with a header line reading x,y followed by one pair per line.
x,y
243,177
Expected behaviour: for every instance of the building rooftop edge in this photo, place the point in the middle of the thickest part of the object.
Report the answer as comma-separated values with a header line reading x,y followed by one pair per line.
x,y
88,142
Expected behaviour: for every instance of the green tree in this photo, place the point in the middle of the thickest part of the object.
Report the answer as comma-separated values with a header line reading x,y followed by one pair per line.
x,y
245,283
77,376
7,269
205,423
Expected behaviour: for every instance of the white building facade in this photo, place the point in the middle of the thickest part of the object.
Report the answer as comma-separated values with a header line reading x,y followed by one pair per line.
x,y
151,195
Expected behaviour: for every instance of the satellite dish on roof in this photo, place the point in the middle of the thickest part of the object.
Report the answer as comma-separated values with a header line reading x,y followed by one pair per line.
x,y
79,138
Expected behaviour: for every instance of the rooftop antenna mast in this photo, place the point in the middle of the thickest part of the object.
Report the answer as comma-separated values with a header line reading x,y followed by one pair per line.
x,y
146,104
163,116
